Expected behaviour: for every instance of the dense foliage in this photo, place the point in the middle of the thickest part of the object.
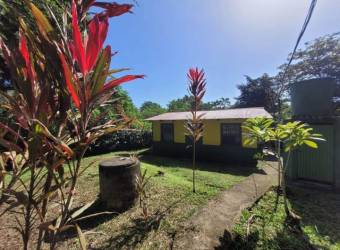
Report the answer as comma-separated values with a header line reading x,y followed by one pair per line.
x,y
184,104
257,92
149,109
121,140
320,58
10,27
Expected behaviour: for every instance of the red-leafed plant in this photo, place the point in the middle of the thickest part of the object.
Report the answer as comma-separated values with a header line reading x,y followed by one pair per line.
x,y
59,76
194,125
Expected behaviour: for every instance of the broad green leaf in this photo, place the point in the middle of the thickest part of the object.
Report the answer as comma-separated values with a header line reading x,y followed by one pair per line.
x,y
311,144
317,138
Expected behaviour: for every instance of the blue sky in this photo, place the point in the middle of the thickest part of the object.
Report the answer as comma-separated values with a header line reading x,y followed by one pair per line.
x,y
228,38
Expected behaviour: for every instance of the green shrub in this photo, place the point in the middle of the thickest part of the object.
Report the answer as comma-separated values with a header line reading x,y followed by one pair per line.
x,y
121,140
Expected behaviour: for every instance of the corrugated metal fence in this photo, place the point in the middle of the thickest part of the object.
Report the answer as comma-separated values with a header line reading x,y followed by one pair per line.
x,y
317,164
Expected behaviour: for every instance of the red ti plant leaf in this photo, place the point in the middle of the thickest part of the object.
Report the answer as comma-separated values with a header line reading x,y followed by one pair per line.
x,y
97,35
113,9
26,56
90,56
197,84
77,47
107,88
115,82
86,5
69,81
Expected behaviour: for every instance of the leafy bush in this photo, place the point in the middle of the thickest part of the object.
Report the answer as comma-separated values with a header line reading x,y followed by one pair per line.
x,y
121,140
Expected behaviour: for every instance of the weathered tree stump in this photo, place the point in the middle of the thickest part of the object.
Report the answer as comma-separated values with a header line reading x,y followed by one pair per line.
x,y
117,180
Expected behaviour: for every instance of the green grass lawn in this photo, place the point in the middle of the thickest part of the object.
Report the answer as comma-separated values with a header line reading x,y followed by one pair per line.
x,y
320,213
170,202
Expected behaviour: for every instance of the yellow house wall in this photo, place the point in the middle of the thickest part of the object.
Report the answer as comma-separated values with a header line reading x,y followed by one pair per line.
x,y
156,131
179,131
211,133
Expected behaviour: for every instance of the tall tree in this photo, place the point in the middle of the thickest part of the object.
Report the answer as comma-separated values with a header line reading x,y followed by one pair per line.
x,y
219,104
319,58
257,92
180,104
184,104
126,103
149,109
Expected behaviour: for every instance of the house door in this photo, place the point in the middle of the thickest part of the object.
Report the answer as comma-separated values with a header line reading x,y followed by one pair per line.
x,y
317,164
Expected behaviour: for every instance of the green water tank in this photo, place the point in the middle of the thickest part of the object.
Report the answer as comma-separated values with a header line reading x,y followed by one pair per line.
x,y
313,97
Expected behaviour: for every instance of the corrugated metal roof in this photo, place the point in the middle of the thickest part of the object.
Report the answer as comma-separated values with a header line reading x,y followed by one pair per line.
x,y
240,113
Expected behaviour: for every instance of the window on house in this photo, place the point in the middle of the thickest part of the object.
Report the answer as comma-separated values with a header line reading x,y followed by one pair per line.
x,y
231,134
167,132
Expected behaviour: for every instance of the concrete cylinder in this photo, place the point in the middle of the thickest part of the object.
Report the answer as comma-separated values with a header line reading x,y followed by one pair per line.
x,y
117,181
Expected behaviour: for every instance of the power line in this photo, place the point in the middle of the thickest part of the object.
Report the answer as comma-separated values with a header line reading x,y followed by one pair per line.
x,y
303,29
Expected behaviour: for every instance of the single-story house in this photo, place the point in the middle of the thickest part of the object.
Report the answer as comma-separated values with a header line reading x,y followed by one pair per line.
x,y
223,136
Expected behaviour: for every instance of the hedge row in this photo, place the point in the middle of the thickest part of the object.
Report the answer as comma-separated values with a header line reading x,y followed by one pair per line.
x,y
121,140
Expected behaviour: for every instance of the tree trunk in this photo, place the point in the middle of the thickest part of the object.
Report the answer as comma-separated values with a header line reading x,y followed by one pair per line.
x,y
26,234
47,187
193,165
285,201
278,189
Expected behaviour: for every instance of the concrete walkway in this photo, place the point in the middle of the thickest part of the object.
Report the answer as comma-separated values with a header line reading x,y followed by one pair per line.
x,y
208,226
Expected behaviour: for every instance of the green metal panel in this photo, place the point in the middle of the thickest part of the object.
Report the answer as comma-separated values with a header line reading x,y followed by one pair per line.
x,y
317,164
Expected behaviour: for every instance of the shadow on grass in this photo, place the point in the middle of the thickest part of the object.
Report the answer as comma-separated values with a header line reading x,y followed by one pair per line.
x,y
134,233
228,241
92,217
201,165
287,238
275,231
319,210
139,229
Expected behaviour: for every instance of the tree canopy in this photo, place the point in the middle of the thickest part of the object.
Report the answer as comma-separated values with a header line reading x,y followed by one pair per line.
x,y
184,104
180,104
257,92
149,109
319,58
219,104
